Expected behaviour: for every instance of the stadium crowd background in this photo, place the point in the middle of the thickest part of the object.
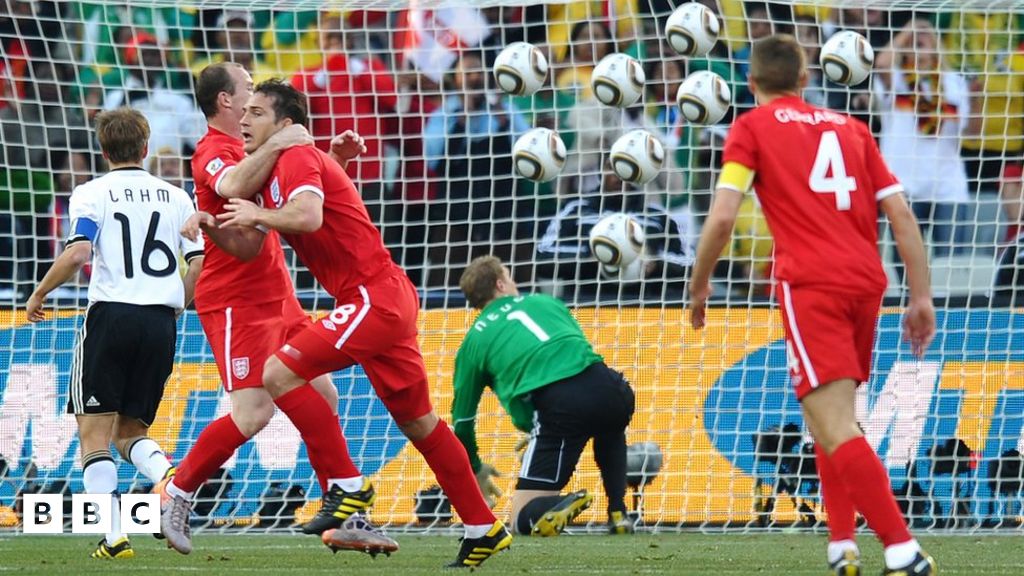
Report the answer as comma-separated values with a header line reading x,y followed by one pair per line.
x,y
437,175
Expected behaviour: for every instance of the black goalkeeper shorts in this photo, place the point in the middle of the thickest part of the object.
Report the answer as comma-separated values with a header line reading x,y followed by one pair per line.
x,y
596,403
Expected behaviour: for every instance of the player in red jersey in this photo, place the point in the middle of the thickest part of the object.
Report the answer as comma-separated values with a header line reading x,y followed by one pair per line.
x,y
821,181
317,209
247,309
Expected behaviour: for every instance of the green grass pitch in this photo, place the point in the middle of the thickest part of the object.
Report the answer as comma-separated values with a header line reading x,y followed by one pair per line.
x,y
682,554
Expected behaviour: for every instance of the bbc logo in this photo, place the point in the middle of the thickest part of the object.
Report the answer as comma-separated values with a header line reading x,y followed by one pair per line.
x,y
91,513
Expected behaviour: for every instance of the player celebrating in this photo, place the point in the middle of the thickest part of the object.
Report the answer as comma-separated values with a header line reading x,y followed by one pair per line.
x,y
247,309
317,209
532,353
125,350
821,180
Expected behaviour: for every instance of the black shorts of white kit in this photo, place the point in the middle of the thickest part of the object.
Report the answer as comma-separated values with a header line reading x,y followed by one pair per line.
x,y
597,403
123,357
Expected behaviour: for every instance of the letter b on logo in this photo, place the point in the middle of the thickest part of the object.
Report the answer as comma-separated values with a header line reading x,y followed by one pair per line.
x,y
43,513
91,513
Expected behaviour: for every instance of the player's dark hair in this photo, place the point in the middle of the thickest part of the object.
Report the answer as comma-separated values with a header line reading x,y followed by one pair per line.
x,y
479,281
776,64
287,102
213,80
123,134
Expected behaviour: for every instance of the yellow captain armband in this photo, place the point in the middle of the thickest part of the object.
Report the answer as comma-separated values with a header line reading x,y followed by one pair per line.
x,y
735,176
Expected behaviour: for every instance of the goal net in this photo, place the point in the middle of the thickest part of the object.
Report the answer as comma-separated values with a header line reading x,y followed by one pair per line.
x,y
717,439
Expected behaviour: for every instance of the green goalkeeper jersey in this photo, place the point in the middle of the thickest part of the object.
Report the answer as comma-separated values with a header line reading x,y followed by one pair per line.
x,y
516,345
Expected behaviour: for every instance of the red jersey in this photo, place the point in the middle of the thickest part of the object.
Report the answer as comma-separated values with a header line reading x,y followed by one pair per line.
x,y
819,177
225,280
347,251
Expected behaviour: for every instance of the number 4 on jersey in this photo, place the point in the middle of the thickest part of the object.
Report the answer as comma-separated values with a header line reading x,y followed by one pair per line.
x,y
828,175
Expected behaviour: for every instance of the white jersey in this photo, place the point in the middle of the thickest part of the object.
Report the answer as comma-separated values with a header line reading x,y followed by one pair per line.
x,y
134,220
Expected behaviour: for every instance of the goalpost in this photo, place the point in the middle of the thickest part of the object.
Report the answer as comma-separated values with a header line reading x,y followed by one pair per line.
x,y
717,440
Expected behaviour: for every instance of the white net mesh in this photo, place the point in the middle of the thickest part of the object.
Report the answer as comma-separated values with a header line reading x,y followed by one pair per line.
x,y
438,179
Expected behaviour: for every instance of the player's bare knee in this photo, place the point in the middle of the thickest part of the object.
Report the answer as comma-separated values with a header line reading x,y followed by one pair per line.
x,y
251,419
278,379
421,427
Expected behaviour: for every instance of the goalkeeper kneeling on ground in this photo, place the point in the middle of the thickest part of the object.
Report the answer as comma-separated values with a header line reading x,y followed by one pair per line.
x,y
532,353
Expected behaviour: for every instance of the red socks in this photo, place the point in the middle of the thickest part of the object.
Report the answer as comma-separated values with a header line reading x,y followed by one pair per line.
x,y
867,484
841,515
325,444
447,458
213,448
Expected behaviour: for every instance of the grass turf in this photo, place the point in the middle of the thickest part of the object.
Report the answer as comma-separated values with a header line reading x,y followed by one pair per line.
x,y
682,554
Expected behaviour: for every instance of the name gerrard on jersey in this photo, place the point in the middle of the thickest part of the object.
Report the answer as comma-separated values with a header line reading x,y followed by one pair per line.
x,y
787,115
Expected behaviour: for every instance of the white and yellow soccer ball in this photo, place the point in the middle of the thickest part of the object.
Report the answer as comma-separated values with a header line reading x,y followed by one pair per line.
x,y
847,58
617,240
704,97
539,155
692,30
618,80
637,157
520,69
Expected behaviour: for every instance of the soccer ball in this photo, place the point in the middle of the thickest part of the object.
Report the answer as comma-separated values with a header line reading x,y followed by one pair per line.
x,y
617,240
618,80
539,155
637,156
704,97
847,58
692,29
520,69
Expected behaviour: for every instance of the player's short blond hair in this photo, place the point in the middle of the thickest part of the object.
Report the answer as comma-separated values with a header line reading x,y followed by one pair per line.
x,y
479,281
776,64
123,134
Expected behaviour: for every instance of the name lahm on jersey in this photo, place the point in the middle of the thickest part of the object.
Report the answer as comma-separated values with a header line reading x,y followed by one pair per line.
x,y
141,195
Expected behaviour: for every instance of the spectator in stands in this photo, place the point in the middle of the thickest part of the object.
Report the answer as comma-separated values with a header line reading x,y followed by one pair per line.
x,y
563,253
588,128
168,166
468,145
292,42
808,33
564,19
984,46
174,120
233,42
763,19
663,119
1013,200
925,109
353,90
42,137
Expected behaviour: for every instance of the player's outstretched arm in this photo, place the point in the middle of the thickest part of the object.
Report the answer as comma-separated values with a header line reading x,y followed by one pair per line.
x,y
302,214
919,321
242,243
75,255
249,175
713,239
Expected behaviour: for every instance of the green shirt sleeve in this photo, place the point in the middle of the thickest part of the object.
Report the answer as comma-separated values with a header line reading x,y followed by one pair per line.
x,y
469,385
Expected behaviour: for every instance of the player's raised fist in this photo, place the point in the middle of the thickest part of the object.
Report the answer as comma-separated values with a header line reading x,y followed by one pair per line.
x,y
348,145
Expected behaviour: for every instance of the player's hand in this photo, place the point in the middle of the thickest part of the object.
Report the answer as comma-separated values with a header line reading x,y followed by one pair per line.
x,y
698,304
190,229
290,136
34,308
239,212
348,145
483,479
919,325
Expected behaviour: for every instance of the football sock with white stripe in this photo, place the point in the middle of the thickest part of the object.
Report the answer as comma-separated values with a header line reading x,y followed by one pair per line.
x,y
99,475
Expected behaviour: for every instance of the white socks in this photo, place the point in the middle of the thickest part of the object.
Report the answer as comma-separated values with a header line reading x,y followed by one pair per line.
x,y
900,555
175,491
477,530
99,475
147,456
838,548
354,484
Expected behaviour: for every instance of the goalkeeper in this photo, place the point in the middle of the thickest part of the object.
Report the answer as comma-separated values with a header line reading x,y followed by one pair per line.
x,y
534,356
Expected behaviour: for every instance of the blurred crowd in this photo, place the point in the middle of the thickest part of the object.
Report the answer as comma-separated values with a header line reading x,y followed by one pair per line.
x,y
946,103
